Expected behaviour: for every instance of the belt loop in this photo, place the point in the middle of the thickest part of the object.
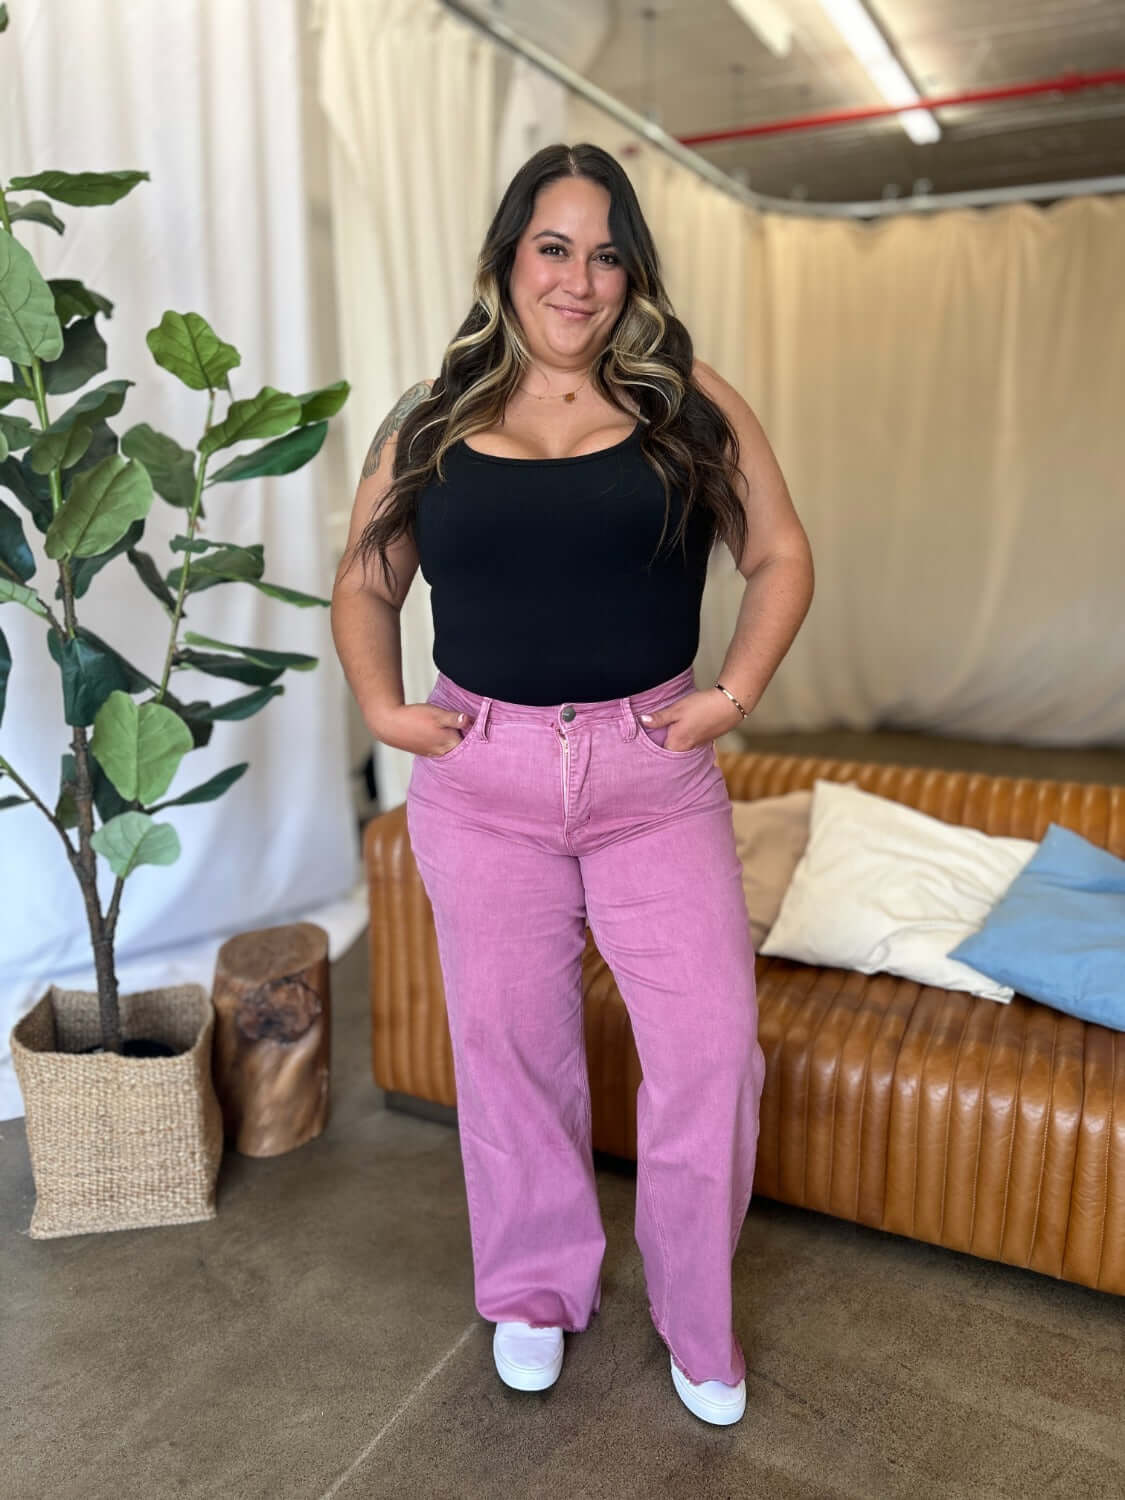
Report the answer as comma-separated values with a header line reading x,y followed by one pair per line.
x,y
482,718
628,719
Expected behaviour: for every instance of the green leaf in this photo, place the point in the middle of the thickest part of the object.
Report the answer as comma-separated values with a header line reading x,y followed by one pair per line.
x,y
14,551
60,450
88,677
28,487
83,356
74,300
107,801
91,670
103,402
83,569
295,659
171,468
34,491
188,346
149,574
207,791
15,593
102,505
289,596
181,543
29,328
263,415
3,18
226,564
39,211
82,189
281,456
317,406
6,802
193,716
5,669
139,746
102,444
15,433
133,839
241,708
238,668
15,390
66,804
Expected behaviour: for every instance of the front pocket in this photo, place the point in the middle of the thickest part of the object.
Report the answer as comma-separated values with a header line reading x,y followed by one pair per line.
x,y
468,734
467,737
648,737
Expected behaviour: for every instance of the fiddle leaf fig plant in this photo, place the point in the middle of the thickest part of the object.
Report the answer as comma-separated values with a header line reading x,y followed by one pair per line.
x,y
88,490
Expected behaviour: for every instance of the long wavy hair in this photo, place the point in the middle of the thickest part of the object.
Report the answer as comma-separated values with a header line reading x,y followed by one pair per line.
x,y
685,436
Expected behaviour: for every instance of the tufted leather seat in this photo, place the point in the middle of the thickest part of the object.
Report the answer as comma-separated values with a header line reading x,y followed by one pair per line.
x,y
994,1129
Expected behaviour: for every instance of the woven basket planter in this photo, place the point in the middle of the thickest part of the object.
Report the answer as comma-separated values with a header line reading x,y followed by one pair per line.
x,y
119,1142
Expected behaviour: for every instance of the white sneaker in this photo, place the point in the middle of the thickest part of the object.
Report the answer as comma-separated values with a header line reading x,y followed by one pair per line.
x,y
711,1399
527,1359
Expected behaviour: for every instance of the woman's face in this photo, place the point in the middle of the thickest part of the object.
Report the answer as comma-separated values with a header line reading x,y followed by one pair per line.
x,y
568,285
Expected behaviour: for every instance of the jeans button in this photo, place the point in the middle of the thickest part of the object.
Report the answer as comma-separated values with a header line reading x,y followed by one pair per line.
x,y
568,712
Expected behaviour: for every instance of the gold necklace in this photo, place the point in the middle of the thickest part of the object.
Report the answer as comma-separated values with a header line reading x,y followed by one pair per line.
x,y
554,395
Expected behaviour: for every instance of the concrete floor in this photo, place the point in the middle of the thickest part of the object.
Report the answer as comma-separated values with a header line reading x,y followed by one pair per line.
x,y
319,1339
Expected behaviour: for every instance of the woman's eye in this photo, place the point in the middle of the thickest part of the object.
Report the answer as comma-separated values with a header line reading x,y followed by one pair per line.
x,y
607,255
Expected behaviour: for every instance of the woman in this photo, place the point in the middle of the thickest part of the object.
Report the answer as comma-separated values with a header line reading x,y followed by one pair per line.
x,y
561,483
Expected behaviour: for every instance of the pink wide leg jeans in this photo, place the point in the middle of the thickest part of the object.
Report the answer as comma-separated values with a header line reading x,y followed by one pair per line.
x,y
543,819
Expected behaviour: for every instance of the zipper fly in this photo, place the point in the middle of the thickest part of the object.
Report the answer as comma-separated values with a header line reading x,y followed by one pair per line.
x,y
563,763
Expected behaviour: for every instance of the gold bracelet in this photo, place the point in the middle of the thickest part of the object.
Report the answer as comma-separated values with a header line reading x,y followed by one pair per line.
x,y
733,699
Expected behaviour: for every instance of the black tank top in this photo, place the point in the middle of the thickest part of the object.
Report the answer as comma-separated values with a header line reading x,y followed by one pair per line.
x,y
539,574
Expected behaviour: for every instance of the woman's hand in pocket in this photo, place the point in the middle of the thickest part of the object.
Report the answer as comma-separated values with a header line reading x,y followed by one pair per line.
x,y
699,717
423,728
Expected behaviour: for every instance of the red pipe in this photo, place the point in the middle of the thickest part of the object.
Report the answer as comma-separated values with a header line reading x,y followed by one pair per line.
x,y
1069,82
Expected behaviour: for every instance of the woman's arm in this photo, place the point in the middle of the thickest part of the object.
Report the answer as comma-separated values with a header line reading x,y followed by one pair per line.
x,y
365,613
777,562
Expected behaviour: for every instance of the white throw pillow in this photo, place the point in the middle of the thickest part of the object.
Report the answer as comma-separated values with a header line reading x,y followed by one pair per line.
x,y
884,888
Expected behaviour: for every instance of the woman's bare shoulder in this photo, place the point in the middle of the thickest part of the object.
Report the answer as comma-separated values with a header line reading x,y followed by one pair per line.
x,y
387,431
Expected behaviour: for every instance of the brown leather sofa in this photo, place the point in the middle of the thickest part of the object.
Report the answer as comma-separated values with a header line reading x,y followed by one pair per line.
x,y
994,1129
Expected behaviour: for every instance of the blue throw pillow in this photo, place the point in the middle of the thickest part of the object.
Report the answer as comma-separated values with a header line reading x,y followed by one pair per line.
x,y
1058,932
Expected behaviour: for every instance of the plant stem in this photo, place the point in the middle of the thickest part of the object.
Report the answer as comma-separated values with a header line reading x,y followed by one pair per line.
x,y
84,861
10,771
54,478
114,905
48,611
186,569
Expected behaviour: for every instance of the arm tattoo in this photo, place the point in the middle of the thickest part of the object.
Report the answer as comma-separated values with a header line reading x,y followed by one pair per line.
x,y
392,422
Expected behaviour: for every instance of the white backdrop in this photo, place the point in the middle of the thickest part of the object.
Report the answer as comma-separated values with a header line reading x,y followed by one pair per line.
x,y
205,97
409,92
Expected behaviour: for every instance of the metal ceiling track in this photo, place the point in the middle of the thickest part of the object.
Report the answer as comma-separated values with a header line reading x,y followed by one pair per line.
x,y
500,31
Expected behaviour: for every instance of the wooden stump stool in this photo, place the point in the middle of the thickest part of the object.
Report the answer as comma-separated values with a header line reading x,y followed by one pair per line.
x,y
271,1052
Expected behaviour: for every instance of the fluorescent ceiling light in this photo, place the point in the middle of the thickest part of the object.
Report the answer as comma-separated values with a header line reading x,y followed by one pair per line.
x,y
768,21
852,20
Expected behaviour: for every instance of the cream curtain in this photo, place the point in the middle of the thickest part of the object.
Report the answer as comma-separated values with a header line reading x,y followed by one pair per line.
x,y
943,392
944,395
220,229
408,90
